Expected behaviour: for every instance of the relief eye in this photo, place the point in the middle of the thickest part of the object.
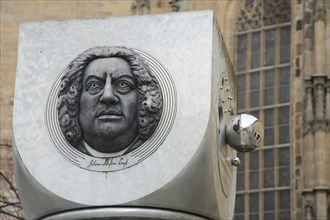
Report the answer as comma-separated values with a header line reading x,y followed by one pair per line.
x,y
123,86
94,87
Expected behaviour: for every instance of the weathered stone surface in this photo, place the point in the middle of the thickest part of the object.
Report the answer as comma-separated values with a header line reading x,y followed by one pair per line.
x,y
189,56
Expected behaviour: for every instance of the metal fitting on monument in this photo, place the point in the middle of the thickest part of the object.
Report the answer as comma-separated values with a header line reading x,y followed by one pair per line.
x,y
244,133
235,161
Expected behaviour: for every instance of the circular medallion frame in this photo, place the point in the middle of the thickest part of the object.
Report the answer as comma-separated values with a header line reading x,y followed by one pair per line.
x,y
110,164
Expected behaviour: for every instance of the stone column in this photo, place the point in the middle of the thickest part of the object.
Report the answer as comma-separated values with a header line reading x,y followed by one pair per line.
x,y
316,144
320,124
321,158
308,150
316,138
319,36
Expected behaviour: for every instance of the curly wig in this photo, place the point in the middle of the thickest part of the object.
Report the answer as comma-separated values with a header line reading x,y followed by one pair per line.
x,y
149,93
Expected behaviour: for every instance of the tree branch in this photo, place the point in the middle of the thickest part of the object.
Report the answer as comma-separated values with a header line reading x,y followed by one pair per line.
x,y
11,186
9,205
11,215
6,145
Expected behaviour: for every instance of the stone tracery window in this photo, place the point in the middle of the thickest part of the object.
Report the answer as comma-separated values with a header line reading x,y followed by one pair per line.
x,y
263,33
259,13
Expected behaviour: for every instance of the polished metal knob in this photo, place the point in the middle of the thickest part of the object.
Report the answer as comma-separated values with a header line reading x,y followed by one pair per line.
x,y
244,133
235,161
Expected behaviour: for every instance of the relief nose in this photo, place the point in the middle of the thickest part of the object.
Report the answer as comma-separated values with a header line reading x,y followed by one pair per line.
x,y
108,95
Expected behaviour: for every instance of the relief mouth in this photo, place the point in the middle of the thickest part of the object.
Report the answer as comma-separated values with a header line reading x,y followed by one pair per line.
x,y
109,114
109,117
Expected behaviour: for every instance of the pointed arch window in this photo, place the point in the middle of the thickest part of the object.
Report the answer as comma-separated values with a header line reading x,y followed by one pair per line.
x,y
262,62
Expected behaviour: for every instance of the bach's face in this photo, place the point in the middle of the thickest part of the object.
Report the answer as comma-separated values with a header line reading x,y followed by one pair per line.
x,y
109,105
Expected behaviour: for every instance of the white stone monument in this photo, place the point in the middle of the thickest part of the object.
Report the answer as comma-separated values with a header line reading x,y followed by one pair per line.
x,y
126,118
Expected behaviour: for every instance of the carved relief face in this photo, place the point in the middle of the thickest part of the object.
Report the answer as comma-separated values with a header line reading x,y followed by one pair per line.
x,y
109,105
